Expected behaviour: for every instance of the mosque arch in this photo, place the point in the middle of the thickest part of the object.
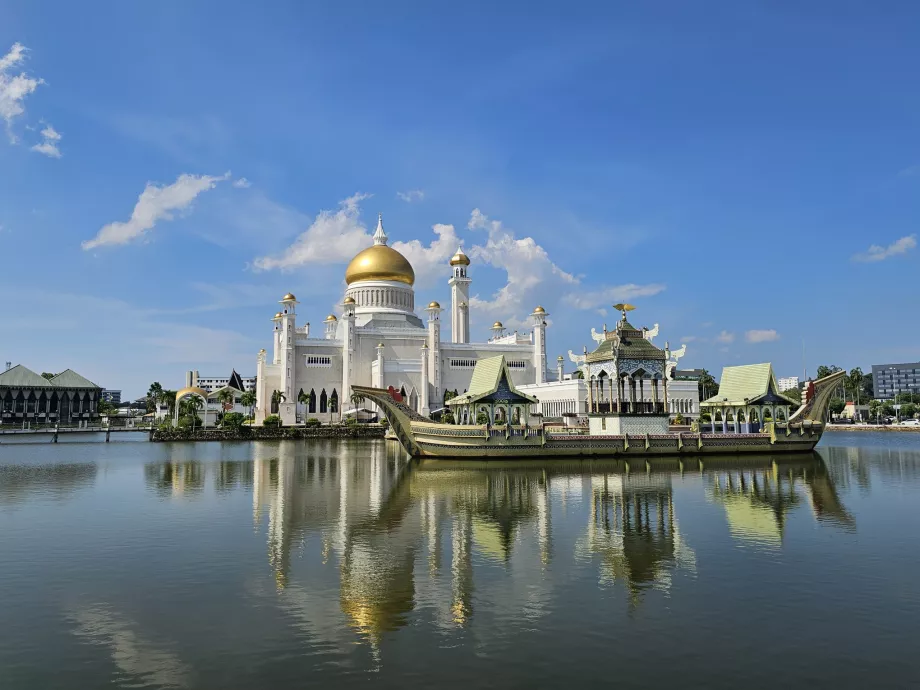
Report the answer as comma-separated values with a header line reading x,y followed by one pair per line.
x,y
413,399
334,401
311,404
323,402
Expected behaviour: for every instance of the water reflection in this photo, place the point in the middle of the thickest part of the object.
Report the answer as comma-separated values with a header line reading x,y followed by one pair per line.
x,y
403,535
21,483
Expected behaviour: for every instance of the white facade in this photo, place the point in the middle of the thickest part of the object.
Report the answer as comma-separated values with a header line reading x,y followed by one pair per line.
x,y
787,383
378,340
212,383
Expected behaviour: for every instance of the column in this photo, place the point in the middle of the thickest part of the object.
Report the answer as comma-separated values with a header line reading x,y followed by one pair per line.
x,y
590,396
424,408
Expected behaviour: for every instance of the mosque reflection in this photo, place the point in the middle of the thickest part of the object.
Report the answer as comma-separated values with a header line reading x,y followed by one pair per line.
x,y
402,535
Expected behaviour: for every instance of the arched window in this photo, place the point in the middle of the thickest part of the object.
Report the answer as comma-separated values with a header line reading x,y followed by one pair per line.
x,y
402,393
311,405
323,407
334,401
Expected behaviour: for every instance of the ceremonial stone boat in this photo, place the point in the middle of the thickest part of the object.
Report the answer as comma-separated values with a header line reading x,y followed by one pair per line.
x,y
611,432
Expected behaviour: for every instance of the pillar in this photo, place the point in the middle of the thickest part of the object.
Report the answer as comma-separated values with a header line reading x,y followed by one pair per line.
x,y
378,381
424,408
539,344
560,367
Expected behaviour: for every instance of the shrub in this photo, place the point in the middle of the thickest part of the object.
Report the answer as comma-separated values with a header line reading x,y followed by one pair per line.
x,y
272,420
232,420
187,421
482,418
351,421
446,417
385,423
679,419
313,422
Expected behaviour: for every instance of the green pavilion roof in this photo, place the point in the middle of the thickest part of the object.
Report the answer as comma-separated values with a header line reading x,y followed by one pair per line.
x,y
71,379
488,376
631,346
23,377
747,384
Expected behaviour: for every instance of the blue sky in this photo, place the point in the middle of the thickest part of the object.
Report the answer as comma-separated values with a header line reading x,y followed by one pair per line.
x,y
746,173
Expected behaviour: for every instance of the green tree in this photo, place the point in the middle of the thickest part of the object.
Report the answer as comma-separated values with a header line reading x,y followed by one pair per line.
x,y
225,397
578,374
855,381
154,395
708,385
908,410
482,418
794,393
233,420
272,420
248,398
447,417
836,405
888,410
334,406
875,409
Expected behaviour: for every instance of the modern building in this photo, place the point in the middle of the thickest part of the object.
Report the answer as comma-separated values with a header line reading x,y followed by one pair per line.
x,y
66,398
214,383
787,383
112,397
890,379
378,340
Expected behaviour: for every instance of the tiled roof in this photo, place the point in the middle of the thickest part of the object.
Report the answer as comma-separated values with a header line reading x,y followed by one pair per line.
x,y
745,385
23,377
487,376
71,379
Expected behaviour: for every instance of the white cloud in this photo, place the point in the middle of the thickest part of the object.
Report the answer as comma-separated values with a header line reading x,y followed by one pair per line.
x,y
879,253
761,336
725,337
242,183
430,263
49,144
154,204
333,237
590,299
688,339
14,88
411,195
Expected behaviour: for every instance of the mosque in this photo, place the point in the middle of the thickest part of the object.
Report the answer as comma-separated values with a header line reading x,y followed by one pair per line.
x,y
378,340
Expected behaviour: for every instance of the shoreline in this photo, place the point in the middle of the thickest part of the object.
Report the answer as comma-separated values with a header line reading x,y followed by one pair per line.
x,y
260,433
871,427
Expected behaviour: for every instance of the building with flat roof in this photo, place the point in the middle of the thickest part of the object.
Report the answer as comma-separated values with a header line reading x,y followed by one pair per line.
x,y
112,397
890,379
787,383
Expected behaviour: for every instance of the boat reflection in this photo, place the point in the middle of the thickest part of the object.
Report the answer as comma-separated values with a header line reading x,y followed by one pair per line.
x,y
398,537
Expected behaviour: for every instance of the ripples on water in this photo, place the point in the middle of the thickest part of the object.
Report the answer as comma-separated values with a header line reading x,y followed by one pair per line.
x,y
257,565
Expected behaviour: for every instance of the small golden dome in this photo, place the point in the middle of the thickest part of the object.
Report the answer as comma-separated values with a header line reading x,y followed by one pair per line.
x,y
560,358
380,262
349,300
277,316
434,305
331,318
497,324
459,259
379,344
539,310
289,297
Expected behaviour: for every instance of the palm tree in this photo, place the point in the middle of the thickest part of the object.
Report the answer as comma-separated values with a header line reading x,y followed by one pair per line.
x,y
249,400
225,396
154,394
193,405
333,405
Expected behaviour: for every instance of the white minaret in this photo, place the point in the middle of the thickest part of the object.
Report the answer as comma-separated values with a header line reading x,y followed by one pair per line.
x,y
539,344
286,345
560,367
459,298
424,408
378,379
434,349
348,346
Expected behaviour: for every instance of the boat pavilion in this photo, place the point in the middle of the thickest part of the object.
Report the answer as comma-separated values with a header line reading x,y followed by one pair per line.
x,y
491,391
748,396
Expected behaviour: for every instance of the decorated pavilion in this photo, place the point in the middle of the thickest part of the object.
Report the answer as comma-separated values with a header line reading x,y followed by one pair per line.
x,y
627,383
748,396
492,392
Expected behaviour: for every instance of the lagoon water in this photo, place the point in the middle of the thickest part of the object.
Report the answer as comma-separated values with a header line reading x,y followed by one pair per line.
x,y
302,564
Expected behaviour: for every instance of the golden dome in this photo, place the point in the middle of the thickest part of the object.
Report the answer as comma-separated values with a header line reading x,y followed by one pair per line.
x,y
380,262
349,300
277,316
497,324
289,297
539,310
330,318
459,259
434,305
